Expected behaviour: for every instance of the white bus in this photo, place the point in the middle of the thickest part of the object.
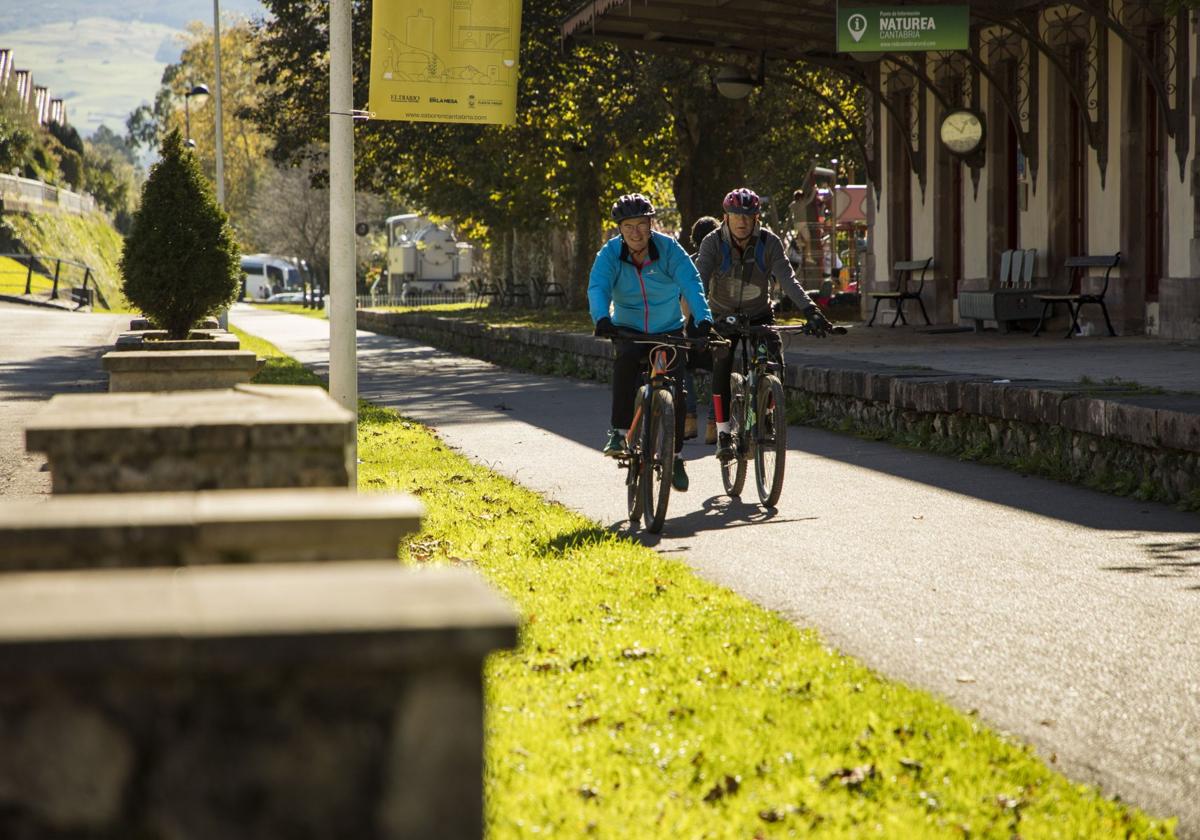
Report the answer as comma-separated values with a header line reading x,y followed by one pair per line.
x,y
269,274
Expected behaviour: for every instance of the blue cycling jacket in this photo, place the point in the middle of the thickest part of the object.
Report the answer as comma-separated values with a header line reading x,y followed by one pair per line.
x,y
646,297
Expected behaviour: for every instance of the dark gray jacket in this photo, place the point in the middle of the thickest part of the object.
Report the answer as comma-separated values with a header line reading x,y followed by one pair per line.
x,y
736,283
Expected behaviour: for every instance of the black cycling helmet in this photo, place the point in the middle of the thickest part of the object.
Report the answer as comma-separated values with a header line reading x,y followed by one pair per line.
x,y
742,202
631,206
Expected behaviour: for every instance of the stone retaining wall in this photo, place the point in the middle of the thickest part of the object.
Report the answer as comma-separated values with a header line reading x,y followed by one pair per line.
x,y
1106,437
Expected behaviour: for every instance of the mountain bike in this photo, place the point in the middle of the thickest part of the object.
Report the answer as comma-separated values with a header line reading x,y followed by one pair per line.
x,y
757,410
650,442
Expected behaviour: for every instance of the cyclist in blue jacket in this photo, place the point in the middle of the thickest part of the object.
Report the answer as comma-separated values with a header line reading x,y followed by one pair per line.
x,y
636,282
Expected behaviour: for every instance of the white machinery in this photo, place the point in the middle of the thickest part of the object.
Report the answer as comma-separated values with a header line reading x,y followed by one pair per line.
x,y
425,257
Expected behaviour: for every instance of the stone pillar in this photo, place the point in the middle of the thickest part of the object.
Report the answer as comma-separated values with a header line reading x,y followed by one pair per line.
x,y
250,436
240,703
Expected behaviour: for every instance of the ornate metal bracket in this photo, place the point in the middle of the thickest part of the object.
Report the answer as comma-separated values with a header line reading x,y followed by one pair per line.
x,y
1064,33
910,120
864,134
1136,23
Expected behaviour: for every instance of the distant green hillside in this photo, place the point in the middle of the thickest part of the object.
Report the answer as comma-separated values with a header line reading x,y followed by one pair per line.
x,y
90,239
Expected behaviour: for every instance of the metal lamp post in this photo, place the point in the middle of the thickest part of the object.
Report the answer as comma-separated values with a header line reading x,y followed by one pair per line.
x,y
200,91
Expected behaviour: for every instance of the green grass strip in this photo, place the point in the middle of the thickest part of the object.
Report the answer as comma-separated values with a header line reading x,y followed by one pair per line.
x,y
646,702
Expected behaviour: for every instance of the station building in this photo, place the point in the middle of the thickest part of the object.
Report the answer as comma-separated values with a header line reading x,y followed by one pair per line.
x,y
1086,140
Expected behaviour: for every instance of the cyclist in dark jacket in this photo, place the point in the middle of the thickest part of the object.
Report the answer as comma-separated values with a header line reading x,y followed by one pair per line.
x,y
737,262
636,283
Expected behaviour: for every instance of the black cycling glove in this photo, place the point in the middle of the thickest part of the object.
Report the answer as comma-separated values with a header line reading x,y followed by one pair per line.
x,y
605,328
815,322
704,329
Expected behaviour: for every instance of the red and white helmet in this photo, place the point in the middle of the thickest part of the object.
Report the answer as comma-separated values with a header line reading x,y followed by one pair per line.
x,y
742,202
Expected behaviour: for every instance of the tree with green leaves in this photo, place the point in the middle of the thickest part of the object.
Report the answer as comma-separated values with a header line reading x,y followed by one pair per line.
x,y
589,124
245,147
181,262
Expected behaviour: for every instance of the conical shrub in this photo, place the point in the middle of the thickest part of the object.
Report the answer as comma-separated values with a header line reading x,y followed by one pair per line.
x,y
181,262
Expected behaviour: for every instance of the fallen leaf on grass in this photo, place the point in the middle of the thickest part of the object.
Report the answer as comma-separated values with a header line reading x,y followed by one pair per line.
x,y
590,721
636,653
911,764
852,777
726,787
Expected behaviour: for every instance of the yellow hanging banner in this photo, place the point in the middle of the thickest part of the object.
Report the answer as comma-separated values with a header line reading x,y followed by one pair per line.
x,y
445,60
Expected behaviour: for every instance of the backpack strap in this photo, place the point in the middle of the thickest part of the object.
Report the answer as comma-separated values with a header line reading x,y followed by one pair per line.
x,y
760,255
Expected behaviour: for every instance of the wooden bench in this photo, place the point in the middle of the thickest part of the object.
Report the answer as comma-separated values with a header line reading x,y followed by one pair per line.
x,y
1077,268
902,273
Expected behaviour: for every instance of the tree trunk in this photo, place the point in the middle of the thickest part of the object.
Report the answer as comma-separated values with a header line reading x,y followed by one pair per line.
x,y
709,142
587,234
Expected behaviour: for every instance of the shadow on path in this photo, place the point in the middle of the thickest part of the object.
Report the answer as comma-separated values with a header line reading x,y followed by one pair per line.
x,y
459,390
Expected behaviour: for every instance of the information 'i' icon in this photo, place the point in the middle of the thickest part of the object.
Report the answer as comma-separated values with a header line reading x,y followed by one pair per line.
x,y
857,24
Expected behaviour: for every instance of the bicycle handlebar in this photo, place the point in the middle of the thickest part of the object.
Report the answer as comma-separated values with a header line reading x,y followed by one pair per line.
x,y
739,322
670,339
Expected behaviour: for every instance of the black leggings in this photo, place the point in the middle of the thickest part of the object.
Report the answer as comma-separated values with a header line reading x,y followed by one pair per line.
x,y
628,365
723,365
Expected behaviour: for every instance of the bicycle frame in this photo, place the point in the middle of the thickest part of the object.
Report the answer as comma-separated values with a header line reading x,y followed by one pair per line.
x,y
650,441
756,364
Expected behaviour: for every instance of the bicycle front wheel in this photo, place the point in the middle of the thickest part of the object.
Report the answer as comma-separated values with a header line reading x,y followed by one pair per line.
x,y
633,490
733,471
658,460
770,450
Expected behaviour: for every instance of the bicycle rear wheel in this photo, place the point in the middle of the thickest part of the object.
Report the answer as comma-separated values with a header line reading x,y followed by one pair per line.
x,y
733,471
658,460
770,450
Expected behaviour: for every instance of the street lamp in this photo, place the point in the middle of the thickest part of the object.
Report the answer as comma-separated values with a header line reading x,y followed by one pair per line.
x,y
200,91
735,83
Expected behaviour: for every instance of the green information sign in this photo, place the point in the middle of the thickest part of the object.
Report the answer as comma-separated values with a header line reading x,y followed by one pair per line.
x,y
902,28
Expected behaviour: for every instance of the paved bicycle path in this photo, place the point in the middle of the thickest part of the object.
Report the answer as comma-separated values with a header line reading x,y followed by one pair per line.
x,y
1065,616
44,352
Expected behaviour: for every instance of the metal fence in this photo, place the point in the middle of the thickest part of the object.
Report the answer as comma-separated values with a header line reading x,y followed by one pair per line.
x,y
69,274
412,299
28,191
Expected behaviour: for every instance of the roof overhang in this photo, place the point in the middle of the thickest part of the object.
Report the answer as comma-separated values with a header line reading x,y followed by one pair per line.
x,y
736,30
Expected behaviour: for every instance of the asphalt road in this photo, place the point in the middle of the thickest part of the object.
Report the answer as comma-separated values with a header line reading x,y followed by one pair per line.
x,y
43,353
1064,616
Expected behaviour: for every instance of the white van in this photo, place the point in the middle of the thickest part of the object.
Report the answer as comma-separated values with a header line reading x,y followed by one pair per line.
x,y
268,274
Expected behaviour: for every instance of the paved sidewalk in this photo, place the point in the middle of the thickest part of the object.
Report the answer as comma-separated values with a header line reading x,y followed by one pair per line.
x,y
42,353
1171,365
1065,616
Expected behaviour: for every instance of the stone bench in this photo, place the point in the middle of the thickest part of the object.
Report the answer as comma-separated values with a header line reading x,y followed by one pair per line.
x,y
300,701
211,526
245,437
180,370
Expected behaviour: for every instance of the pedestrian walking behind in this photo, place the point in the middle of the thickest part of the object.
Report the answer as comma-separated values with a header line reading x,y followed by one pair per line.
x,y
698,360
637,280
737,262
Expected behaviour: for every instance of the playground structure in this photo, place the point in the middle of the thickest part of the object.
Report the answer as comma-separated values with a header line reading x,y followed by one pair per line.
x,y
827,238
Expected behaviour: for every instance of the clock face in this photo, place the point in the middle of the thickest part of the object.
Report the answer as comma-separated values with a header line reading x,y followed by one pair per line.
x,y
962,132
